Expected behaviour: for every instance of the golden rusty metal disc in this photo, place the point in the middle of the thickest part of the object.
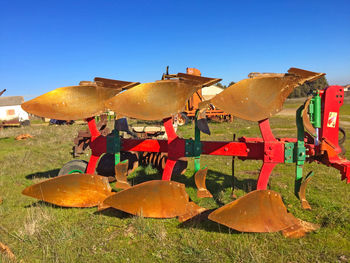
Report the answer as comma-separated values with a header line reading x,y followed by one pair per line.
x,y
71,103
155,100
156,198
261,96
72,190
258,211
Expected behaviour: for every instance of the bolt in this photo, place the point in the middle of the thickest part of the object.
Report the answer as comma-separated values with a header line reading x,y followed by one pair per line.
x,y
225,149
247,150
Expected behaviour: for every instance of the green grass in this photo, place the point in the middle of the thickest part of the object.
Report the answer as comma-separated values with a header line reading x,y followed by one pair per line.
x,y
39,232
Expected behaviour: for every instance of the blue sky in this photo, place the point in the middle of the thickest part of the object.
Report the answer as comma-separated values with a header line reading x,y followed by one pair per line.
x,y
49,44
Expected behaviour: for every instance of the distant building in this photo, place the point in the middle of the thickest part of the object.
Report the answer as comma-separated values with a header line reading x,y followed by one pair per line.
x,y
211,91
11,111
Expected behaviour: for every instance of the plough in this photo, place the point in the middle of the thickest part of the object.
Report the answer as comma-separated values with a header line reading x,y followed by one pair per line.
x,y
256,99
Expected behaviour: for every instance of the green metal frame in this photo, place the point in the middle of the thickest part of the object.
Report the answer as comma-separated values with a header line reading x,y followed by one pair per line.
x,y
114,144
193,148
299,151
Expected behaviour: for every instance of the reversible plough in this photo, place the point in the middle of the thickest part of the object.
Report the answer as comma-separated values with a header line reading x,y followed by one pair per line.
x,y
256,99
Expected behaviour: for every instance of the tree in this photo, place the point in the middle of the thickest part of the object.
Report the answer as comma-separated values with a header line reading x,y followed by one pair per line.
x,y
308,87
231,83
219,84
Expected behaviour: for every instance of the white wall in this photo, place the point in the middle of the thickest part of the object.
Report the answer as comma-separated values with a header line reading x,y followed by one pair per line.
x,y
19,113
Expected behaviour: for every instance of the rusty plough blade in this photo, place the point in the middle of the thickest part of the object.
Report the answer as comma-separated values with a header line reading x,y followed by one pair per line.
x,y
260,211
302,192
72,190
121,172
70,103
199,179
306,119
261,96
75,102
153,101
157,199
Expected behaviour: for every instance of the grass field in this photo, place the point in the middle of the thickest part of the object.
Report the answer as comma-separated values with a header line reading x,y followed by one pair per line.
x,y
39,232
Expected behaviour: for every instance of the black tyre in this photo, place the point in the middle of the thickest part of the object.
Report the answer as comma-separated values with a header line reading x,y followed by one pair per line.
x,y
105,166
74,166
342,138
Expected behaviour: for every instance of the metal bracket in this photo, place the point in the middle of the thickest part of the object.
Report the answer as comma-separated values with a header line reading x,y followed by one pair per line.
x,y
289,156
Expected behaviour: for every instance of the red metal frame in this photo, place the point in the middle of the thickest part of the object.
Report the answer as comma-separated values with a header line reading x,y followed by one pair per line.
x,y
267,148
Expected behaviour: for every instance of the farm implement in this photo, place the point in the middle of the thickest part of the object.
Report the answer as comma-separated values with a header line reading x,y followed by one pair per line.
x,y
255,99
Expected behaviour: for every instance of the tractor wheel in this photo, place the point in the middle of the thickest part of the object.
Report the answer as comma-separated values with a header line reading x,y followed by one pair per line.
x,y
74,166
105,166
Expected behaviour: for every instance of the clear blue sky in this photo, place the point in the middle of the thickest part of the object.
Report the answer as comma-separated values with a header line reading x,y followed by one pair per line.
x,y
49,44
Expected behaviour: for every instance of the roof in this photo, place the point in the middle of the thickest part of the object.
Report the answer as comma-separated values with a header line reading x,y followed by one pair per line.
x,y
11,100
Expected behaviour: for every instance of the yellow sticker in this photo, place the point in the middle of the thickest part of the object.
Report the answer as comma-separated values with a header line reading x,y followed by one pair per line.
x,y
332,119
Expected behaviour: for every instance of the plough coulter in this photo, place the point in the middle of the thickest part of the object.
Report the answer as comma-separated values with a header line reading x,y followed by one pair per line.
x,y
256,99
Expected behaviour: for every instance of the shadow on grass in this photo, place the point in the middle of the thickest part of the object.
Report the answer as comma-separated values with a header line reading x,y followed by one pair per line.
x,y
47,174
201,221
217,181
43,203
111,212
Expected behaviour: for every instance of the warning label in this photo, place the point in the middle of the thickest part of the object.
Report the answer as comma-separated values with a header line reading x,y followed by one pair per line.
x,y
332,119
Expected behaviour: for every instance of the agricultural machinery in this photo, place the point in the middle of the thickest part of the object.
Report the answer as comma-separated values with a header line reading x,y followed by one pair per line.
x,y
256,99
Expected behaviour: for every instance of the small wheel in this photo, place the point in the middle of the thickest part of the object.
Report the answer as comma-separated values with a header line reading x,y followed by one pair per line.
x,y
74,166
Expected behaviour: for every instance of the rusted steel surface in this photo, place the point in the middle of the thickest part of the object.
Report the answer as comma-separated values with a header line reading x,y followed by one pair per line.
x,y
117,84
73,190
70,103
262,96
158,199
258,211
121,172
153,101
299,229
302,194
306,119
199,179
